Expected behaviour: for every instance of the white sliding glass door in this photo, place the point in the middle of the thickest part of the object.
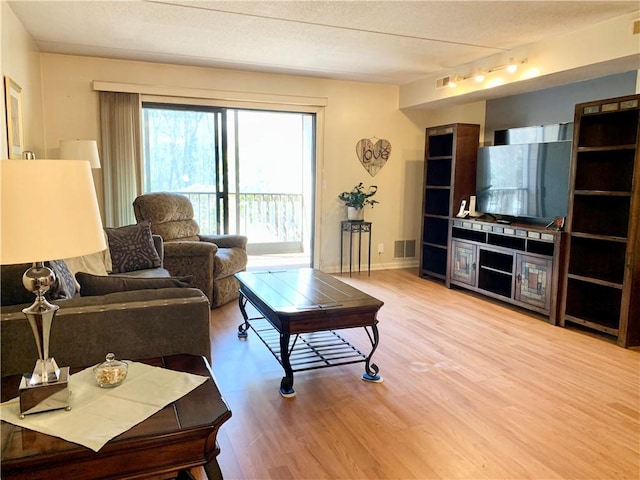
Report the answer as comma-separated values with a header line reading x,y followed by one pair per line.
x,y
246,171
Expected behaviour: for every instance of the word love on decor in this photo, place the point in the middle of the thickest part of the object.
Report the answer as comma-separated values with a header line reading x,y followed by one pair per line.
x,y
373,154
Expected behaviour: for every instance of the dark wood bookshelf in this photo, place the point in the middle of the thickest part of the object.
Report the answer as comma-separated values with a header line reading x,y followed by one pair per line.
x,y
449,177
602,266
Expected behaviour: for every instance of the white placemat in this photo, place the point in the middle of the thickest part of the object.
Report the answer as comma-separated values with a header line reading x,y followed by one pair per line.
x,y
99,414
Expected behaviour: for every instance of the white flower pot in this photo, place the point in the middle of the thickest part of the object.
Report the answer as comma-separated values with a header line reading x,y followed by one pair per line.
x,y
354,213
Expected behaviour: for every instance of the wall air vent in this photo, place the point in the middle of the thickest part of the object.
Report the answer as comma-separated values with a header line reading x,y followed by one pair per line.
x,y
410,248
404,248
443,81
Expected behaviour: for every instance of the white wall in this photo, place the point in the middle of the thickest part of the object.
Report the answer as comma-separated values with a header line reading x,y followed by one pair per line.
x,y
353,111
468,113
20,59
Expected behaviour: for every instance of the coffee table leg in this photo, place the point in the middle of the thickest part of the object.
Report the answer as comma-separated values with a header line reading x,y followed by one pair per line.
x,y
244,326
286,385
371,369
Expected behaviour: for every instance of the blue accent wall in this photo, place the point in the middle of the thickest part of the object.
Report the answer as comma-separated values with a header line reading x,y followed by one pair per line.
x,y
553,105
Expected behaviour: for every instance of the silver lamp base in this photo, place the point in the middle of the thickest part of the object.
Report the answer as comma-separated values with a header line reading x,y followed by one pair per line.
x,y
44,397
47,388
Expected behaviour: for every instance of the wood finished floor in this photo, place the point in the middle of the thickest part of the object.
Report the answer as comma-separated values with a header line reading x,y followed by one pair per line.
x,y
472,389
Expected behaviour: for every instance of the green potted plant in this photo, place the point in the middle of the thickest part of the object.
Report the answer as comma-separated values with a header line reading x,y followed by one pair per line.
x,y
356,199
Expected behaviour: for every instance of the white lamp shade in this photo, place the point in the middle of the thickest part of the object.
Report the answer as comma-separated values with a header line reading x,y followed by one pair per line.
x,y
48,211
80,150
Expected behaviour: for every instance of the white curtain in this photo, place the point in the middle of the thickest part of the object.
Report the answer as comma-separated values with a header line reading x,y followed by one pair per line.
x,y
121,155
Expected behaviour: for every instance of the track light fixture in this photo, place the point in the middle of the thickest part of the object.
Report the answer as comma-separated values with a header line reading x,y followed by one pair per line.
x,y
512,67
480,75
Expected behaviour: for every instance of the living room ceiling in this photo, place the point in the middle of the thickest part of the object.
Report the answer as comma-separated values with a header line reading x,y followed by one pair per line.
x,y
393,42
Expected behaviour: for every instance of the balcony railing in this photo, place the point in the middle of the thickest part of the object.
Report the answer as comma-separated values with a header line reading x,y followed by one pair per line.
x,y
262,217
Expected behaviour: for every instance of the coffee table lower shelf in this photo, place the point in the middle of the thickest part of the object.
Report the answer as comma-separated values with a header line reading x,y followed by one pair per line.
x,y
311,351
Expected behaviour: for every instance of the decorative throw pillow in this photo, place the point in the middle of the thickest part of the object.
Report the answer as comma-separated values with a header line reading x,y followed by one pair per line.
x,y
132,248
92,285
65,285
14,292
98,263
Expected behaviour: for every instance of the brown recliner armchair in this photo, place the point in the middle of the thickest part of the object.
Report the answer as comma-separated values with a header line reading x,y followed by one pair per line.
x,y
211,259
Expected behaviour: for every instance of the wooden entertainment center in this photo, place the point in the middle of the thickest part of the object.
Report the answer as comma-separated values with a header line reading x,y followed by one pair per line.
x,y
587,275
515,263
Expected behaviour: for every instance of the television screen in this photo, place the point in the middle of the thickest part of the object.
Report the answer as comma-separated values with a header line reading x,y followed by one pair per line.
x,y
527,180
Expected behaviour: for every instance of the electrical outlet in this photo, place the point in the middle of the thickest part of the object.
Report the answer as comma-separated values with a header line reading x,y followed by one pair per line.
x,y
381,248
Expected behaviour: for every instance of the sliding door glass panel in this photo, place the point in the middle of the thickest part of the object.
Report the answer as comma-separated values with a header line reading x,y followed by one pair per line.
x,y
184,153
274,152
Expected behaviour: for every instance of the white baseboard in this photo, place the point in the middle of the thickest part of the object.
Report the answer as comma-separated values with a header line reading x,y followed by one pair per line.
x,y
392,264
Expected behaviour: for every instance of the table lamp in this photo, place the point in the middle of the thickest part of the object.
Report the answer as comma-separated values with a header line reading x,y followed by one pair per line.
x,y
80,150
48,211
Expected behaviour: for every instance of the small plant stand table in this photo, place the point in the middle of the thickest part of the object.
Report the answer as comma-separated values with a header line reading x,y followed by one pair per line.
x,y
359,227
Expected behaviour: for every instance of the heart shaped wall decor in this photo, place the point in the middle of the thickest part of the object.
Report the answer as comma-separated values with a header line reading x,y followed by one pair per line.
x,y
373,155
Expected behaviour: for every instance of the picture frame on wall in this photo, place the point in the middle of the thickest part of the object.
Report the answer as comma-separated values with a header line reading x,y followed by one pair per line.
x,y
15,134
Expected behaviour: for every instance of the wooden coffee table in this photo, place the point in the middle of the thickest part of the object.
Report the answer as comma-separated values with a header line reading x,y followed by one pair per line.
x,y
177,438
300,313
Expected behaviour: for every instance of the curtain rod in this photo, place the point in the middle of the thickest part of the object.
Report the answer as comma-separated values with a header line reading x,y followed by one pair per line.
x,y
226,95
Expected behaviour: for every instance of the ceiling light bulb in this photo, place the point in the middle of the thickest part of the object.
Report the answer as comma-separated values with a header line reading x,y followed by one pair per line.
x,y
479,78
495,82
453,82
512,66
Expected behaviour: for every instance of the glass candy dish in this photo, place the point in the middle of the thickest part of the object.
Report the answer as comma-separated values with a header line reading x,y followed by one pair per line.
x,y
111,372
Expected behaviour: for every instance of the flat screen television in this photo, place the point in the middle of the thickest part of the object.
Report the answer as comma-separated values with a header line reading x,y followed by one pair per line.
x,y
529,180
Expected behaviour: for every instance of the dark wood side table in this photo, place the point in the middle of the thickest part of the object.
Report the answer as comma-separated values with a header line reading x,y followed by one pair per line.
x,y
177,438
359,227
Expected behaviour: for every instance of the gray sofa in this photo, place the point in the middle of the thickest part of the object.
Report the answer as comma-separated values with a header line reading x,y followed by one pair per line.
x,y
133,324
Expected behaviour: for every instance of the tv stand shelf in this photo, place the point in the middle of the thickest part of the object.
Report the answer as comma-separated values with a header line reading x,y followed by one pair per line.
x,y
515,263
